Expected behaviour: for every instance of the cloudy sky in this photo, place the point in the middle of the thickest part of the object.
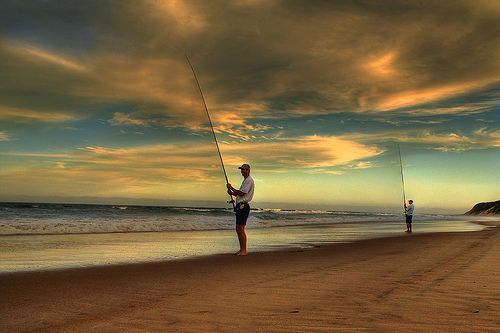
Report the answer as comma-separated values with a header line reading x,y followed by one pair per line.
x,y
98,102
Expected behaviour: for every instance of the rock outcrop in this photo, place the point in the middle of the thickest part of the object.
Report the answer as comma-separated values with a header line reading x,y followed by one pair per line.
x,y
485,208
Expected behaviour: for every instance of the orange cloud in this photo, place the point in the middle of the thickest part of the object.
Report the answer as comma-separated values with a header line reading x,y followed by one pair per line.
x,y
304,152
5,136
27,116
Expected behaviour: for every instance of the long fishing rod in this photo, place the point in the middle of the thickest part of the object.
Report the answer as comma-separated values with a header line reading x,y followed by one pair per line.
x,y
402,178
211,126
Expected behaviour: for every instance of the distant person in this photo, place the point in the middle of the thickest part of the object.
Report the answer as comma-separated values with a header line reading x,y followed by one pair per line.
x,y
409,215
242,209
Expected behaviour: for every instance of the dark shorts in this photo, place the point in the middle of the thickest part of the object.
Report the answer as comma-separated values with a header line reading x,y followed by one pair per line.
x,y
409,218
242,211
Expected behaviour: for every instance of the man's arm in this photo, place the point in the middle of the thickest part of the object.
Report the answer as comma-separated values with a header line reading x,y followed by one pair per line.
x,y
232,191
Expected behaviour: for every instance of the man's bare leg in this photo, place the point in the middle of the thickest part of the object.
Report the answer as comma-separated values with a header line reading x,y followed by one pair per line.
x,y
242,238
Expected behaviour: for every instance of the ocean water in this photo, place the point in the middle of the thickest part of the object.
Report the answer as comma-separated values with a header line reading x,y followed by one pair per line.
x,y
57,236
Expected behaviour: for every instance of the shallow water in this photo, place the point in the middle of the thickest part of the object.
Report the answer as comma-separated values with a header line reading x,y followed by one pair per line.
x,y
42,251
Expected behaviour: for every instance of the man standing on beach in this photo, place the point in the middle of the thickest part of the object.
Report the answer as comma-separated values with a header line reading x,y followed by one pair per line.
x,y
409,215
242,209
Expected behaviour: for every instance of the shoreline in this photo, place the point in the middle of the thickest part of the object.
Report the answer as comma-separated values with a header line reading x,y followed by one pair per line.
x,y
446,281
214,256
65,251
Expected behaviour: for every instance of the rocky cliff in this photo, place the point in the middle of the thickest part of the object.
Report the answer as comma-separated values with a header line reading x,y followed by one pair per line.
x,y
485,208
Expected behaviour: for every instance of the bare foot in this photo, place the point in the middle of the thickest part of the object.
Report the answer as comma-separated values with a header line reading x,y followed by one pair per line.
x,y
242,253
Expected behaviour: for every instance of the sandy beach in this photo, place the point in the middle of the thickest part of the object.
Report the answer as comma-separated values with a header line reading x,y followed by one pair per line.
x,y
439,282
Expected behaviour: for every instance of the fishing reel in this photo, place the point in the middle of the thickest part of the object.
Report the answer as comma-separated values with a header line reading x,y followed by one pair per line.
x,y
231,201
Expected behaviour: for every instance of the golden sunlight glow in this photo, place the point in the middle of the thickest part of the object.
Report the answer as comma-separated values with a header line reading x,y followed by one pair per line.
x,y
305,152
183,15
5,136
383,65
27,116
34,53
415,97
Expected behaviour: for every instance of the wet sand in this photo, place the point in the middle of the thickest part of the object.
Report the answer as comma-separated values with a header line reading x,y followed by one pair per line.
x,y
440,282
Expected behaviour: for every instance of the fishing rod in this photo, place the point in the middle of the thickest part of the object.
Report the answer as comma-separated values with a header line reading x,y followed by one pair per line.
x,y
402,178
211,126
